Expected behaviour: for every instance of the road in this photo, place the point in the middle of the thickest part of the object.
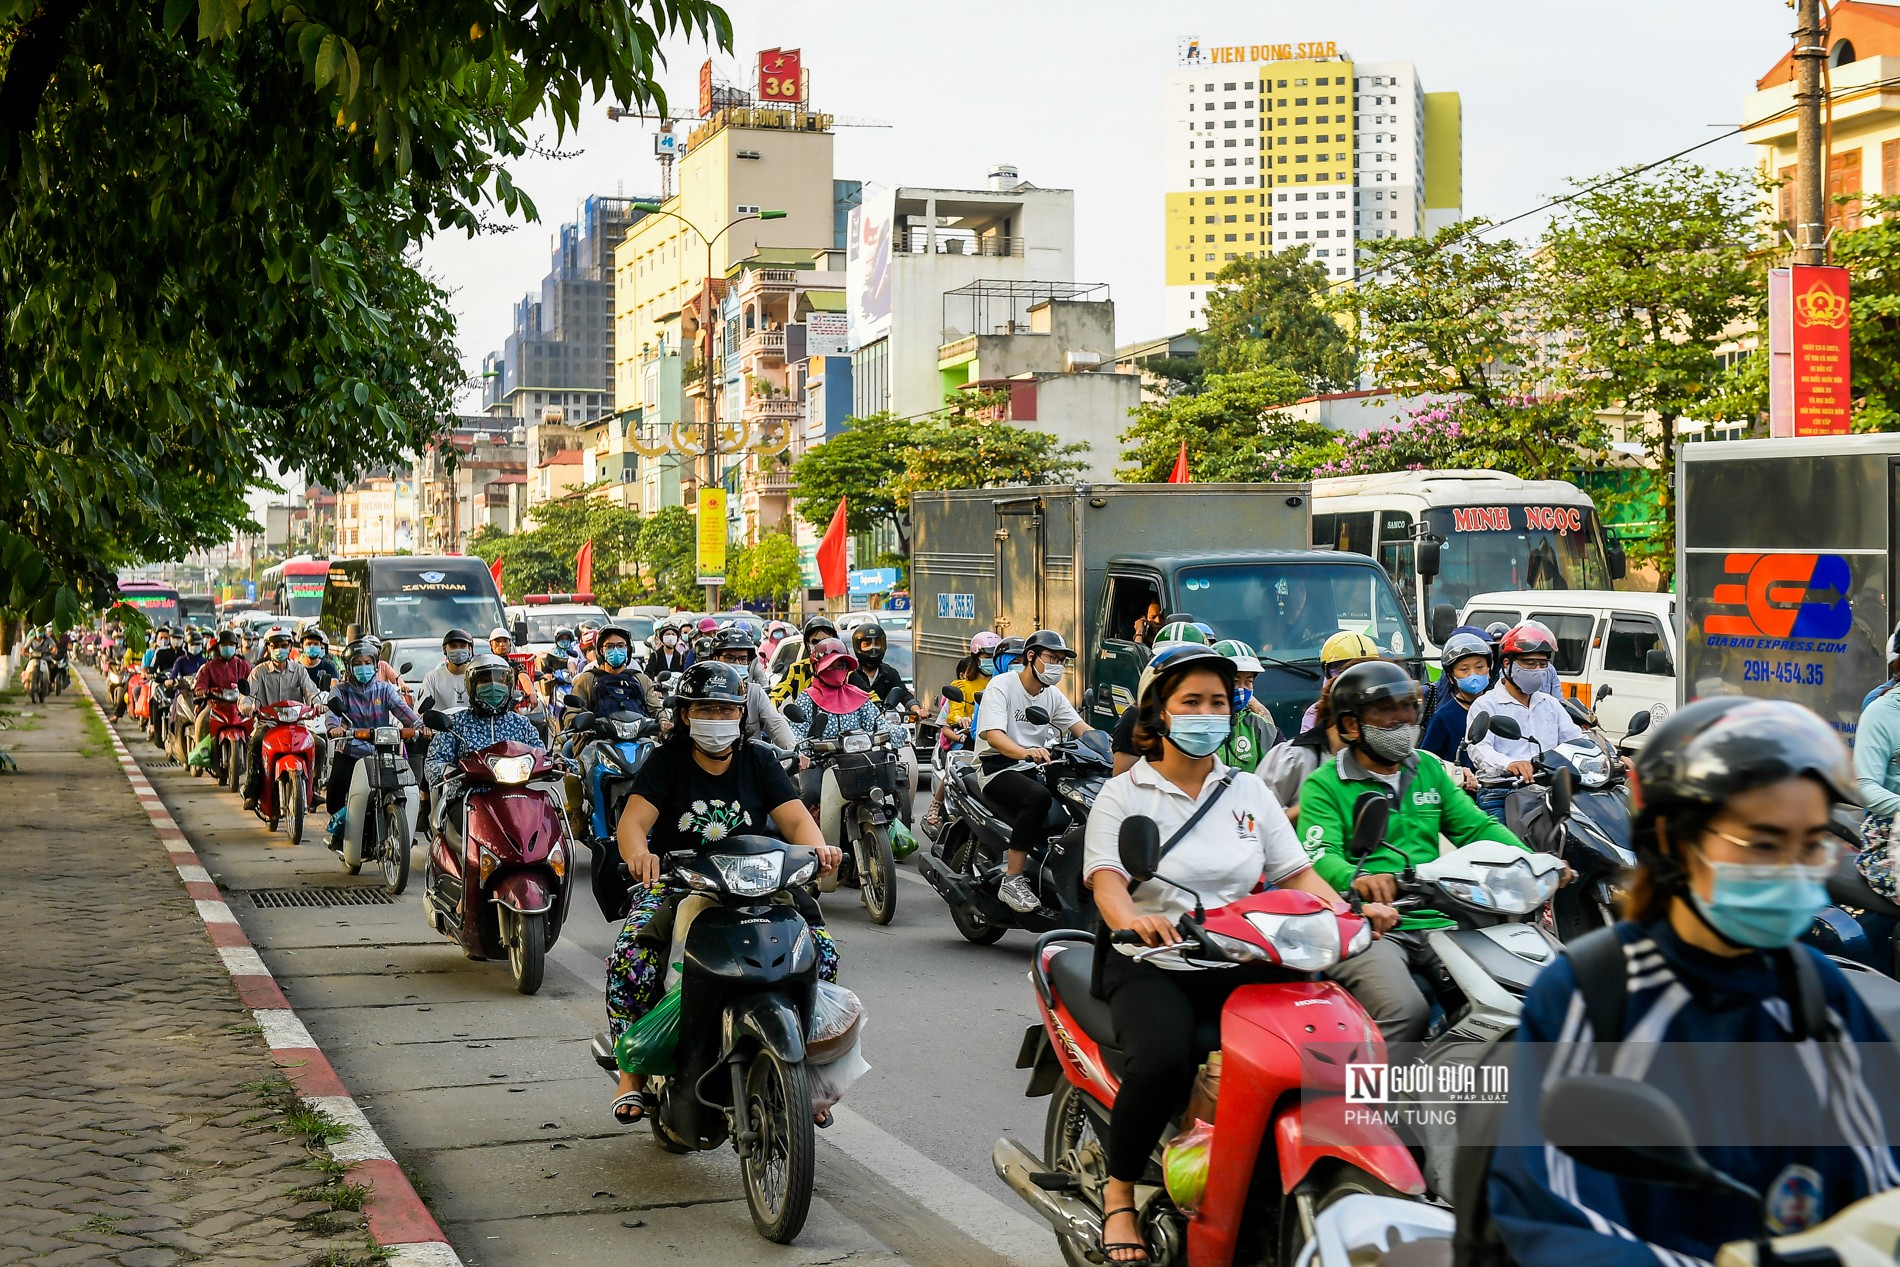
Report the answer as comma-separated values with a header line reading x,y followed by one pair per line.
x,y
492,1104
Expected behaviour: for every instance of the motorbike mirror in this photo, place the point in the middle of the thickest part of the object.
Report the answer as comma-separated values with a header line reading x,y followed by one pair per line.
x,y
406,666
1370,815
1628,1129
796,712
519,632
1639,723
435,719
579,719
1444,620
1036,715
1140,846
1562,793
1504,727
1602,693
953,692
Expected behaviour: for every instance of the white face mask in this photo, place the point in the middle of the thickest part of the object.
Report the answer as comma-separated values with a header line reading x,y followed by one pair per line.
x,y
713,737
1051,673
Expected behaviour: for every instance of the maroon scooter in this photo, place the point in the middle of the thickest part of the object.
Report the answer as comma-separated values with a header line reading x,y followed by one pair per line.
x,y
499,868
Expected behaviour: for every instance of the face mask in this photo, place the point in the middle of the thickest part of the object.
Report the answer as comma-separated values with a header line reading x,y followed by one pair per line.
x,y
1476,684
226,651
614,656
986,666
461,655
669,641
713,737
1532,681
1050,674
1199,734
364,673
1243,696
313,654
1762,906
493,695
834,676
280,654
564,647
1389,743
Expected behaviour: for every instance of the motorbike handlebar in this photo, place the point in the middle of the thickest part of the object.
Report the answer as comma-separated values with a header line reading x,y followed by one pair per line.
x,y
369,735
1125,937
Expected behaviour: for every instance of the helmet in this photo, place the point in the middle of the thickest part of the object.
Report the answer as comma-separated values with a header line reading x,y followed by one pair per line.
x,y
829,651
1462,643
499,632
587,639
456,635
498,676
816,625
1244,658
318,634
1181,631
278,637
227,637
737,636
985,641
1047,641
868,641
362,647
1008,651
595,637
563,633
1369,683
712,682
1348,645
778,629
1496,630
1717,748
1530,638
1170,662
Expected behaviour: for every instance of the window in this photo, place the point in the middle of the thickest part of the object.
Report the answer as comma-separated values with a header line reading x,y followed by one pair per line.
x,y
1485,618
1228,219
1573,630
1843,179
1890,167
1631,638
1395,551
1228,198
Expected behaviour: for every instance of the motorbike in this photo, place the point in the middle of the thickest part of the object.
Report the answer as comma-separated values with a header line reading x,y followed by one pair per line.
x,y
230,731
289,754
852,790
966,864
609,751
39,679
381,811
62,675
158,711
115,686
497,874
1281,1152
178,729
749,973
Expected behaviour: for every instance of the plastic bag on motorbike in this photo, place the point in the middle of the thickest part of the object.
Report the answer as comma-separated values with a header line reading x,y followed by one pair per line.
x,y
835,1013
831,1079
1184,1164
203,754
903,842
650,1045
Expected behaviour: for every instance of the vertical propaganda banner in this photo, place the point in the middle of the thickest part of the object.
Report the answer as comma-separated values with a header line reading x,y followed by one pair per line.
x,y
710,536
867,265
1810,370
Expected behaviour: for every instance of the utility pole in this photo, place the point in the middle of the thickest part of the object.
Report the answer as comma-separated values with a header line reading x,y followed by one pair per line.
x,y
1810,180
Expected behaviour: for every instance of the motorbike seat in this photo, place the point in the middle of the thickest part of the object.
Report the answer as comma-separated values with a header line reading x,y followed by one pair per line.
x,y
1069,971
1847,887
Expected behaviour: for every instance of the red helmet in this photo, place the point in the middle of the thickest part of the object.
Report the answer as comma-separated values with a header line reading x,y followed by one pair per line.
x,y
1529,638
587,639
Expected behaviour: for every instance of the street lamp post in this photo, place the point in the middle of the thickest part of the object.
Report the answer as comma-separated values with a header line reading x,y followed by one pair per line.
x,y
705,363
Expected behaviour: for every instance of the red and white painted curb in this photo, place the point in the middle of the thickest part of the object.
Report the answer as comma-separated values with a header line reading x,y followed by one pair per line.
x,y
397,1218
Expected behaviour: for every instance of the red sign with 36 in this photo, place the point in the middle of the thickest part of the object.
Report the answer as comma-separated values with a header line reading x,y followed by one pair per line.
x,y
781,75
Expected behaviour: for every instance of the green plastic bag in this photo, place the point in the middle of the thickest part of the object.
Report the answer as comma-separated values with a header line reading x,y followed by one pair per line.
x,y
202,755
651,1043
903,843
1184,1166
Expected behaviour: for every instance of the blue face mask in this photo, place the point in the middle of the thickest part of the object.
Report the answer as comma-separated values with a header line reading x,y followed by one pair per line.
x,y
1766,907
614,656
1199,734
364,673
280,654
1243,696
1476,684
564,647
986,666
226,650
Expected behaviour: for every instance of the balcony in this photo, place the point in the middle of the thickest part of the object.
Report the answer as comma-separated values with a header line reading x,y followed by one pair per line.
x,y
775,481
765,344
774,408
775,279
915,241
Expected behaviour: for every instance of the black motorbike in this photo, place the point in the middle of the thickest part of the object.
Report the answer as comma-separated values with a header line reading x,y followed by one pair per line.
x,y
749,975
967,863
860,774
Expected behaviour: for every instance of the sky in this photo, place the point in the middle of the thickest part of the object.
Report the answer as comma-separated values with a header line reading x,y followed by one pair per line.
x,y
1070,91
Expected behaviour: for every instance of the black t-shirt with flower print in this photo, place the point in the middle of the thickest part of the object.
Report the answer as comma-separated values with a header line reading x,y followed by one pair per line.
x,y
698,808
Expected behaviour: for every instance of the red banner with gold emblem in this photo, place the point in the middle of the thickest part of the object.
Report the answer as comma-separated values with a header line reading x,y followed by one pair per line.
x,y
1810,371
781,75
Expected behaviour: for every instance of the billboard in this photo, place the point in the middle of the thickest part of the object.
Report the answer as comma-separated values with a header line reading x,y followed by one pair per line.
x,y
710,536
781,75
1810,378
705,89
867,267
827,334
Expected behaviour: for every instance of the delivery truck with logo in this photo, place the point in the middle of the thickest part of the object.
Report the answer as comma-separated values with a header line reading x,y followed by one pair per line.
x,y
1784,569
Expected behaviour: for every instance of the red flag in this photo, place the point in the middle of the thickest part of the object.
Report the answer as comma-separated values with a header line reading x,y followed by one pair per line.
x,y
494,570
1180,473
831,564
584,569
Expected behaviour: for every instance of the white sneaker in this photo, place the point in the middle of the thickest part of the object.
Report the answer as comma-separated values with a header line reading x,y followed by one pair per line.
x,y
1017,895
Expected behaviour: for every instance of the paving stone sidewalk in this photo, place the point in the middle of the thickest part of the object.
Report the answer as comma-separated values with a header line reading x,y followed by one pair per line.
x,y
138,1124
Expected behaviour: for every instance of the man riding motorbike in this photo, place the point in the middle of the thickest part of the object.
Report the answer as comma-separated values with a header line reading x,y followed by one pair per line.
x,y
275,679
1008,748
613,687
225,668
315,654
868,644
798,676
446,685
1529,693
486,719
360,702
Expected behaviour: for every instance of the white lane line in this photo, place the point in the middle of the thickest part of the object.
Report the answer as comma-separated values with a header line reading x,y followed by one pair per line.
x,y
362,1143
985,1218
422,1254
215,913
242,961
282,1030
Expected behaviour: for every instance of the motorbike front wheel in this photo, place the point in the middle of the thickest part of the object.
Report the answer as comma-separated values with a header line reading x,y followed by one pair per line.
x,y
290,803
965,860
877,872
778,1170
527,953
234,764
1316,1194
395,854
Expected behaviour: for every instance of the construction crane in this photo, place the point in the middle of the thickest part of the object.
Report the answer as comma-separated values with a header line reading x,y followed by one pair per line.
x,y
667,147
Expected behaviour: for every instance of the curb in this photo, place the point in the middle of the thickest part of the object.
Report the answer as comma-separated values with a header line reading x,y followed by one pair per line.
x,y
398,1220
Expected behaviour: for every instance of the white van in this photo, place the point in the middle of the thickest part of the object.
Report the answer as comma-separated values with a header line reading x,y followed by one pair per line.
x,y
1620,639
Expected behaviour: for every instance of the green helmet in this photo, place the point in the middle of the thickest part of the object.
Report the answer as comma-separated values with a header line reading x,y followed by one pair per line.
x,y
1180,631
1244,657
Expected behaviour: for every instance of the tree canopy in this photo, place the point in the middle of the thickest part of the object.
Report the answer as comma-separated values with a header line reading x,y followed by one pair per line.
x,y
1274,311
1236,430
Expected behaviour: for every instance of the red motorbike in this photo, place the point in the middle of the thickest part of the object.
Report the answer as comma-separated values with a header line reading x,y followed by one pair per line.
x,y
289,754
230,732
498,874
1282,1149
138,696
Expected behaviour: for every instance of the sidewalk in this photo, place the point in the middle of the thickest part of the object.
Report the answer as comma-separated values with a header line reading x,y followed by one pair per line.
x,y
142,1119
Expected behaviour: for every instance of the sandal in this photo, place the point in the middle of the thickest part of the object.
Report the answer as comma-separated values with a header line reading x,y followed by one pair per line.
x,y
634,1100
1110,1248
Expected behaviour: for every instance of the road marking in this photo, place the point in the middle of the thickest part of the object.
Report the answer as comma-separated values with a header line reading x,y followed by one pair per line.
x,y
191,873
362,1143
215,913
242,961
282,1029
422,1254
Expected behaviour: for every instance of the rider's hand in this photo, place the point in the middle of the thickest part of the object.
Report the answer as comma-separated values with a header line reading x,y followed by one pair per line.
x,y
1039,755
1524,770
644,866
1382,888
829,856
1155,930
336,732
804,762
1570,873
1379,915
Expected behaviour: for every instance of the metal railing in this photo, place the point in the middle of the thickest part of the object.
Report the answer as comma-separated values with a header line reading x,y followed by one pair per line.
x,y
763,343
914,241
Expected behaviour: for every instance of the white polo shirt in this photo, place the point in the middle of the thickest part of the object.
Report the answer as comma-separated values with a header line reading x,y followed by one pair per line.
x,y
1244,839
1544,722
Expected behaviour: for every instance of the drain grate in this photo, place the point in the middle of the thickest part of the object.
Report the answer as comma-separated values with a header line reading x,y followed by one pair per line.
x,y
317,896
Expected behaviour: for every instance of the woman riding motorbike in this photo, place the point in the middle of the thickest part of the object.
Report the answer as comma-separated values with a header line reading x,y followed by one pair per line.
x,y
1185,703
704,783
1774,1061
974,672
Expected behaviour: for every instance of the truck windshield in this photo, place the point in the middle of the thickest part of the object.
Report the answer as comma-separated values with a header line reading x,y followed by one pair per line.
x,y
430,615
1493,548
1288,611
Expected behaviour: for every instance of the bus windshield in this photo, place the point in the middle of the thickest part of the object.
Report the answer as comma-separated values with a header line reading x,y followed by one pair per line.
x,y
1490,548
432,614
1288,611
303,595
159,606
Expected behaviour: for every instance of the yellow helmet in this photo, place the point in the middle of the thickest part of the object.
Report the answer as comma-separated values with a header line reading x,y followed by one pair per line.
x,y
1346,646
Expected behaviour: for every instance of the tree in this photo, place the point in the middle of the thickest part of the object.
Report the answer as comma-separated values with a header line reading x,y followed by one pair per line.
x,y
766,571
205,257
962,448
1236,430
1871,254
1645,276
1272,311
1533,439
528,565
859,465
567,524
667,547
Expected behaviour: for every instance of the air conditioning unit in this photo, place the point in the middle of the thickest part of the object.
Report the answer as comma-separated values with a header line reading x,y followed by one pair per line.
x,y
746,208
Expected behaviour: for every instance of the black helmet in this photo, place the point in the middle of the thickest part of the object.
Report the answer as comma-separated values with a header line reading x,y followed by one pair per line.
x,y
1009,649
868,643
712,682
1718,748
737,636
362,647
228,637
498,676
457,635
1047,640
1370,682
1177,658
313,633
604,632
818,621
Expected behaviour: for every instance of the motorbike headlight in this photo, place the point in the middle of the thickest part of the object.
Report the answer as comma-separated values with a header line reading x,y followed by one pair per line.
x,y
1237,950
486,861
803,874
1470,892
750,875
387,736
1360,939
1080,790
1593,768
1519,888
511,770
696,880
857,741
1308,943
